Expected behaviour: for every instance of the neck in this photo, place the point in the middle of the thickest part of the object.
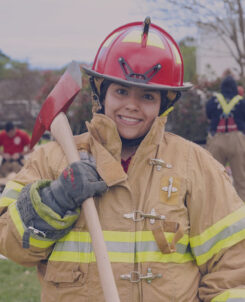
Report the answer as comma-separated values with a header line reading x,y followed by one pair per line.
x,y
129,146
128,151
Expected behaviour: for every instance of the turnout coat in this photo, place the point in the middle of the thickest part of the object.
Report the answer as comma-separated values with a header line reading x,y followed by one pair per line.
x,y
173,225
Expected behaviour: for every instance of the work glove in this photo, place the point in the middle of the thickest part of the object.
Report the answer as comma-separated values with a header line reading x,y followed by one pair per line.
x,y
78,181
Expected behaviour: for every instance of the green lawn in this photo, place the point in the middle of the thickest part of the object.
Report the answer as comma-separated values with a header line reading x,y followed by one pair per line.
x,y
17,283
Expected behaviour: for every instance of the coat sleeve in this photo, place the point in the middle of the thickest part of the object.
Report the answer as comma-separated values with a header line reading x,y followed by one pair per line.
x,y
41,165
217,229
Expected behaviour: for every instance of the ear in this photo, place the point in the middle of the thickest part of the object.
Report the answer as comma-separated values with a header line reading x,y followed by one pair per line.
x,y
171,95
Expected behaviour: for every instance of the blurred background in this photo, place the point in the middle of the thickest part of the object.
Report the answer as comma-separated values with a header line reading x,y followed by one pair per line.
x,y
39,38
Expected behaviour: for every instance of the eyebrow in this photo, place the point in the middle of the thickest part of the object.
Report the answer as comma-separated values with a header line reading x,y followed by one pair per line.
x,y
144,89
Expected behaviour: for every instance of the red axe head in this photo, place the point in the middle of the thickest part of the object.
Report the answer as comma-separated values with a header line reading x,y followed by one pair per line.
x,y
59,99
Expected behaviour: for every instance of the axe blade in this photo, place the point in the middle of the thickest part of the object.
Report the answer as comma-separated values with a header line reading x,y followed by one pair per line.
x,y
59,99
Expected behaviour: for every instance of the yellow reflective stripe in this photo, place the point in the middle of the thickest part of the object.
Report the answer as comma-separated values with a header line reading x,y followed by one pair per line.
x,y
14,185
76,237
47,213
230,295
89,257
218,227
10,193
72,257
225,233
14,213
227,107
128,247
5,201
121,257
230,241
121,237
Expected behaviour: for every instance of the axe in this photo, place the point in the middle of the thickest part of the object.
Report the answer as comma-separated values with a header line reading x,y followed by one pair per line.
x,y
52,117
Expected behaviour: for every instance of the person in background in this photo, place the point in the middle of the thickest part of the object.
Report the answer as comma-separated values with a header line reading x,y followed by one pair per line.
x,y
240,90
226,140
172,222
15,144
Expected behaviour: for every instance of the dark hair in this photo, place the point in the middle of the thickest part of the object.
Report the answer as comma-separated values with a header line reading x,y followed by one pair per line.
x,y
9,126
228,87
103,89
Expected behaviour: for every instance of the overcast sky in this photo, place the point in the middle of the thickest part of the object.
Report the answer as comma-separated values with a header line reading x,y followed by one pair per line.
x,y
51,33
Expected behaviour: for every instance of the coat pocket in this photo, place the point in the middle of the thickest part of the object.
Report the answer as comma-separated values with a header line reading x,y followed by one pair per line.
x,y
65,274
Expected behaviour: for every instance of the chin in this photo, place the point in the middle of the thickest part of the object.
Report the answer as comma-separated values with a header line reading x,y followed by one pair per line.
x,y
129,136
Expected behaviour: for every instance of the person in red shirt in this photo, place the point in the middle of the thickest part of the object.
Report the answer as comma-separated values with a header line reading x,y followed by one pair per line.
x,y
15,144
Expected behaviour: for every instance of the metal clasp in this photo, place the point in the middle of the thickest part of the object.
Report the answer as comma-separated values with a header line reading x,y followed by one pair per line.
x,y
136,215
139,216
133,277
136,277
159,163
37,232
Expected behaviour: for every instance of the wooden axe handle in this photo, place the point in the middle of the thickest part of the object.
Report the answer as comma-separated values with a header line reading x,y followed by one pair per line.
x,y
61,131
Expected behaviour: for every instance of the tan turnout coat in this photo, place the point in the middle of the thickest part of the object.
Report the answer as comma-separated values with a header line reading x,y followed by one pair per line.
x,y
173,225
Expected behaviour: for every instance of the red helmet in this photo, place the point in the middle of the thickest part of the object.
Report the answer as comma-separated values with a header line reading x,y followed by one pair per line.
x,y
140,54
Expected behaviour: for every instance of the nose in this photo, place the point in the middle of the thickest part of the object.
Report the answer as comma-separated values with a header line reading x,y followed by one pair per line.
x,y
133,103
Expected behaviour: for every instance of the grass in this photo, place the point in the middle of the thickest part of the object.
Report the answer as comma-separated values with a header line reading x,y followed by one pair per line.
x,y
18,283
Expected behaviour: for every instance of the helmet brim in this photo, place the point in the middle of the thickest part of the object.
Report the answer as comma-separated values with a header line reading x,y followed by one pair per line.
x,y
186,86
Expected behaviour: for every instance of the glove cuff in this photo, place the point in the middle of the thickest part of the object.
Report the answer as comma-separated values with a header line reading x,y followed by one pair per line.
x,y
38,218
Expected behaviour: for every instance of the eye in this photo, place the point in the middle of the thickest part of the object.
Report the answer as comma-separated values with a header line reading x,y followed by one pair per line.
x,y
148,97
122,91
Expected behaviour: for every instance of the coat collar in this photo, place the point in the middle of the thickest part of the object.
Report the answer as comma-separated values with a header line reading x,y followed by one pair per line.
x,y
105,145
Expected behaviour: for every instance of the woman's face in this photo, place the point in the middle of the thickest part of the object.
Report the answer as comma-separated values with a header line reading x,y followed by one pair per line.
x,y
133,109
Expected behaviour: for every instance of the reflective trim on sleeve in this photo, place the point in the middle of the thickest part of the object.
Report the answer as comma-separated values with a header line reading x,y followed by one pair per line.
x,y
10,193
231,295
48,214
225,233
35,240
127,247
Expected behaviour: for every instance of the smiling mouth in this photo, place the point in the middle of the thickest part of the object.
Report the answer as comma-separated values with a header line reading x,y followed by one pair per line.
x,y
129,119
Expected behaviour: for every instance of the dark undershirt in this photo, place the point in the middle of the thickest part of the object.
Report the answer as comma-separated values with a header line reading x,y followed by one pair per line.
x,y
125,163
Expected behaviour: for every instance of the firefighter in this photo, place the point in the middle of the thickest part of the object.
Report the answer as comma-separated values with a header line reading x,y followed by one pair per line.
x,y
15,145
226,140
172,222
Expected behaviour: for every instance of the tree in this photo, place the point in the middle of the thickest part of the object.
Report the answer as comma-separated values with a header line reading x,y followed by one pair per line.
x,y
226,18
188,118
188,50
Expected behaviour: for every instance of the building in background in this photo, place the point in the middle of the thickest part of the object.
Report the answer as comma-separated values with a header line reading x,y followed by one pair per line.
x,y
213,56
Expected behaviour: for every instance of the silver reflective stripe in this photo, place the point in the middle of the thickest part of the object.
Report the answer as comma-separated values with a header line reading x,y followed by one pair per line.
x,y
11,194
151,246
119,247
227,232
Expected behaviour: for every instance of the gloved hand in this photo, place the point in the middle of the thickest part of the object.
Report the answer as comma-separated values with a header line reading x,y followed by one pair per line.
x,y
77,182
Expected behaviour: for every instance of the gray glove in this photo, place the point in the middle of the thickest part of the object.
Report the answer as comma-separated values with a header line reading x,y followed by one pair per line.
x,y
77,182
